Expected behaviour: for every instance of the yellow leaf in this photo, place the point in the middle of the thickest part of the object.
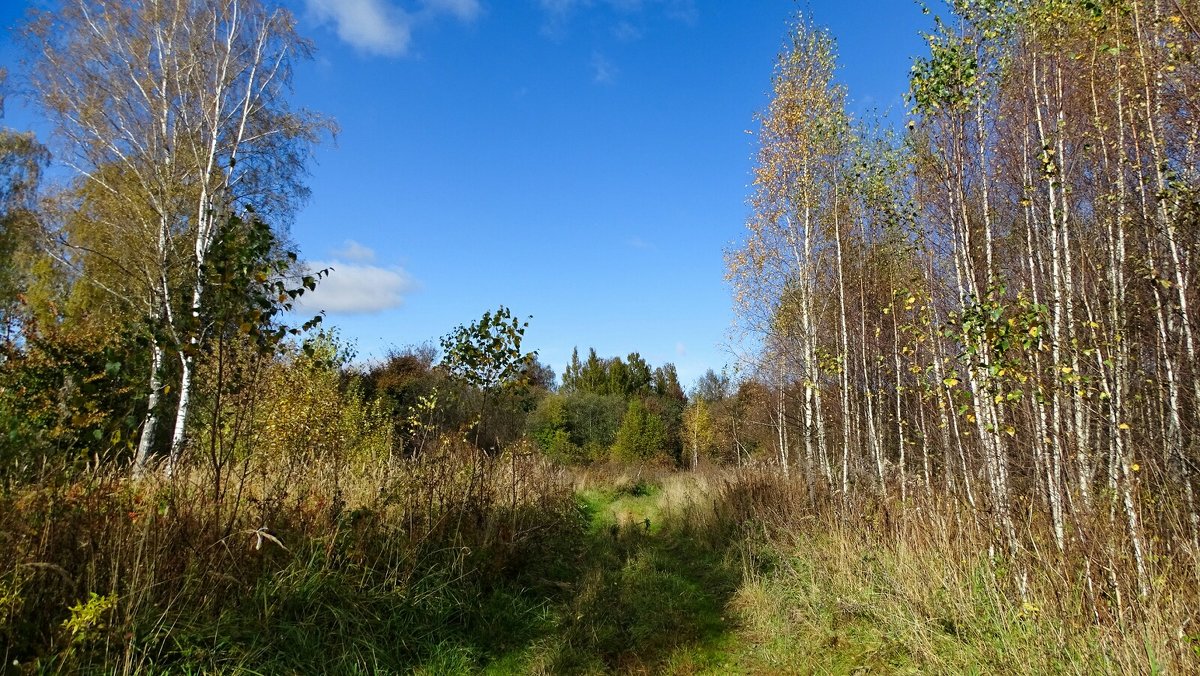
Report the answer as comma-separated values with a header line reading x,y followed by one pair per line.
x,y
1135,467
1123,426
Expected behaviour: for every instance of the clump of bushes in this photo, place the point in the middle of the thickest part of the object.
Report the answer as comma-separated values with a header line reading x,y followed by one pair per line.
x,y
302,541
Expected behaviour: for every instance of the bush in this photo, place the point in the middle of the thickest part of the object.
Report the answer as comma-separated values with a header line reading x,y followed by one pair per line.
x,y
642,436
66,397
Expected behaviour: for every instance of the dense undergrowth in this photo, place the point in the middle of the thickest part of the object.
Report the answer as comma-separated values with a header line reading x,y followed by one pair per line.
x,y
844,590
457,562
381,569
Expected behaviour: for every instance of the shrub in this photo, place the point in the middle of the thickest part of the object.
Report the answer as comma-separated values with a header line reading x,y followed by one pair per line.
x,y
642,436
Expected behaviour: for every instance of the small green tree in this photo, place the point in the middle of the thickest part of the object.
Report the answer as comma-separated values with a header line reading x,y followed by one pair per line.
x,y
487,353
486,358
698,430
549,427
642,434
593,420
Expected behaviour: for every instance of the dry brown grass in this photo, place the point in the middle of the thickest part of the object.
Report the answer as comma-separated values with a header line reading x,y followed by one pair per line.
x,y
831,586
171,558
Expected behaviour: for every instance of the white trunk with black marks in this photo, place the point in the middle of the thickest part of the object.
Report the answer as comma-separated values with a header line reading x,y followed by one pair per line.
x,y
1061,424
1046,453
1179,278
1115,369
781,423
986,418
901,442
844,357
926,465
948,423
873,440
186,366
223,144
150,421
802,252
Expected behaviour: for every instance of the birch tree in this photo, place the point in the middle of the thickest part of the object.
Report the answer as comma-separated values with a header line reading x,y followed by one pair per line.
x,y
186,102
795,192
1007,298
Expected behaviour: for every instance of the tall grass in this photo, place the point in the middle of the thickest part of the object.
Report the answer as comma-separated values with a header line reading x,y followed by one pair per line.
x,y
454,561
834,587
343,568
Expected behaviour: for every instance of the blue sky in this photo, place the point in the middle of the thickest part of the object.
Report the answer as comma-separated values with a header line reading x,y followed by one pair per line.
x,y
585,162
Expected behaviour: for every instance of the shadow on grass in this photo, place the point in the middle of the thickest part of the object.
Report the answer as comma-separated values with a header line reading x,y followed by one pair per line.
x,y
646,592
628,583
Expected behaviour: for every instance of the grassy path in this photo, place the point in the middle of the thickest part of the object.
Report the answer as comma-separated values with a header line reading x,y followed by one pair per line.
x,y
647,591
686,574
658,582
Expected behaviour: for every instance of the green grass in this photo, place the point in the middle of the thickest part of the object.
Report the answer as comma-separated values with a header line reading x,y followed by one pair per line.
x,y
641,584
650,592
693,594
835,602
668,575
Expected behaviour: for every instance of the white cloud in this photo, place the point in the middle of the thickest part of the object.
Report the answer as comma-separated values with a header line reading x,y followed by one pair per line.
x,y
380,26
354,252
356,288
627,32
463,10
603,70
374,26
558,14
683,11
639,243
626,6
681,349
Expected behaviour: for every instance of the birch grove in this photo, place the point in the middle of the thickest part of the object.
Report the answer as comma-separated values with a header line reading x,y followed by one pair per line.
x,y
997,309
